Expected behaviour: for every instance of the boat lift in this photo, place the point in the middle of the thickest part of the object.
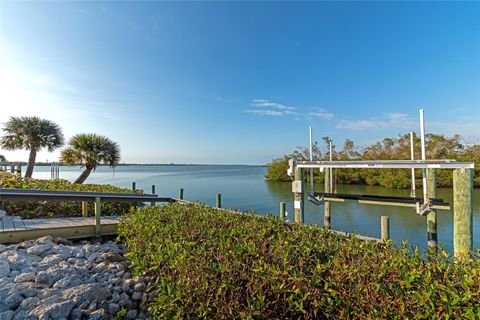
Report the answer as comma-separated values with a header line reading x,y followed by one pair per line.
x,y
425,206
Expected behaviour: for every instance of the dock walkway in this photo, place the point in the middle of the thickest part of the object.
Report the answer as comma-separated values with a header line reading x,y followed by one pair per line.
x,y
17,230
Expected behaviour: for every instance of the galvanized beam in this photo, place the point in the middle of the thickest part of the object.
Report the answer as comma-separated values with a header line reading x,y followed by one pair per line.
x,y
387,164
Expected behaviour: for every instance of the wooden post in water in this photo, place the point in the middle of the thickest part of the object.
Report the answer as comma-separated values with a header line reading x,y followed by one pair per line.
x,y
326,205
153,192
432,214
180,194
298,186
219,200
282,211
98,214
385,228
84,209
134,186
462,211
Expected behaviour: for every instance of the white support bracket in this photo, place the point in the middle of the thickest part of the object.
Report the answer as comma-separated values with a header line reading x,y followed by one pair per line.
x,y
423,209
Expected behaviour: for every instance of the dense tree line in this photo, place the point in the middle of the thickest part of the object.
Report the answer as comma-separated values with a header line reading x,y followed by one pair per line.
x,y
437,147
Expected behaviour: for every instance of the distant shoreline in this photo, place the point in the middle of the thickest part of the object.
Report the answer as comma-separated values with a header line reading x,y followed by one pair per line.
x,y
154,164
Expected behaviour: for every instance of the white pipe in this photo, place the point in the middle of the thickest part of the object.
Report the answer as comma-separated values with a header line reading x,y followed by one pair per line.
x,y
330,169
424,171
412,155
311,159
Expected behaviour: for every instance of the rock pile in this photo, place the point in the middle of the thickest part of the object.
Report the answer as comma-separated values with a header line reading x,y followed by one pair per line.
x,y
52,278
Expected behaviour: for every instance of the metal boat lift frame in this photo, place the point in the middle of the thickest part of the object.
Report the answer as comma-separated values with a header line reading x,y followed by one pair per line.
x,y
462,185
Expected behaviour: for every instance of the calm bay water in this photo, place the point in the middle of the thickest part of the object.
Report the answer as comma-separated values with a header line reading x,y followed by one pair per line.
x,y
244,188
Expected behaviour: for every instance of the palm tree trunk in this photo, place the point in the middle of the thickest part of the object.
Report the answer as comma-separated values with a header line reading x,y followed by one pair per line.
x,y
31,163
84,175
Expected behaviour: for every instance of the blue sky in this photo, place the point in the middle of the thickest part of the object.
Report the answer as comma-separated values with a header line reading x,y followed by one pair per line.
x,y
225,82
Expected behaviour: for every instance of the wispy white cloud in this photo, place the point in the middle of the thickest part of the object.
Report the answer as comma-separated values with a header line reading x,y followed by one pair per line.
x,y
270,108
269,104
322,114
389,120
468,128
273,113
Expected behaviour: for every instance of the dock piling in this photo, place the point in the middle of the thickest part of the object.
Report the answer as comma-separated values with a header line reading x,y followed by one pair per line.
x,y
84,209
98,214
134,186
432,214
385,228
153,192
326,205
180,194
219,200
298,187
462,211
282,211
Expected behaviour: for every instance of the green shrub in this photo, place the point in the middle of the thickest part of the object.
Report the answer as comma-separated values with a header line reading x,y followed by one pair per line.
x,y
217,264
32,209
277,170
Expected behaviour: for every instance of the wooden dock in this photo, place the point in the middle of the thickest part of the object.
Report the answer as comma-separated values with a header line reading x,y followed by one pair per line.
x,y
18,230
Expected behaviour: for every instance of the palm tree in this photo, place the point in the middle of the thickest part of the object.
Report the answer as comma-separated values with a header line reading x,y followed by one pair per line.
x,y
90,150
31,133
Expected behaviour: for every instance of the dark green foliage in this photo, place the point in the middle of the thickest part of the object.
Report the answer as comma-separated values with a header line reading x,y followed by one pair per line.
x,y
217,264
33,209
277,170
437,147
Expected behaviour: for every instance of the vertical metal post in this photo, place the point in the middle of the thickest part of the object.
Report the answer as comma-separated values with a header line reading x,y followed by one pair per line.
x,y
282,211
153,192
311,159
385,228
298,196
330,169
432,214
219,200
462,211
98,214
424,171
180,194
412,156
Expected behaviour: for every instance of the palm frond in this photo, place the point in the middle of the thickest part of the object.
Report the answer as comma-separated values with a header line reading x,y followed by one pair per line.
x,y
89,149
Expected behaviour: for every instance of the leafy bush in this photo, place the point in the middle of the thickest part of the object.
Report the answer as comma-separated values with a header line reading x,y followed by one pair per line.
x,y
32,209
277,170
218,264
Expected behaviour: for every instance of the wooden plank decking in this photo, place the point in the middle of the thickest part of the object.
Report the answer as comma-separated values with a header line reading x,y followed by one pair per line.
x,y
17,230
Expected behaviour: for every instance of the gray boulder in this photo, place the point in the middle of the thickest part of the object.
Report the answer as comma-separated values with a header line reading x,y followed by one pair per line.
x,y
48,278
4,267
40,248
56,310
18,259
53,259
85,294
6,315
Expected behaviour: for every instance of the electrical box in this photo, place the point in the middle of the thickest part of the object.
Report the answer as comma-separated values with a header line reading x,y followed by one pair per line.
x,y
297,187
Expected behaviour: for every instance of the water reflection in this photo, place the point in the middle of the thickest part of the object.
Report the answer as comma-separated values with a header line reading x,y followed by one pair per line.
x,y
364,219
